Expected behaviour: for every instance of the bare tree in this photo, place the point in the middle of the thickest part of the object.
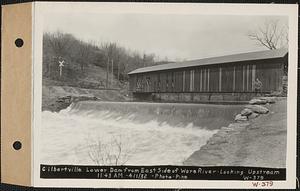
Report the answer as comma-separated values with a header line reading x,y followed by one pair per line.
x,y
272,35
84,50
59,42
56,46
80,56
114,152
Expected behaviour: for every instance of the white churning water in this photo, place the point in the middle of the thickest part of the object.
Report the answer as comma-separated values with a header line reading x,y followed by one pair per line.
x,y
109,133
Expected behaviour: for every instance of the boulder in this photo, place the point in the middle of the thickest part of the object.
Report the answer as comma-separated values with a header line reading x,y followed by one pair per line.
x,y
64,99
257,109
252,127
227,129
246,112
268,99
234,125
253,115
257,101
240,118
217,140
238,126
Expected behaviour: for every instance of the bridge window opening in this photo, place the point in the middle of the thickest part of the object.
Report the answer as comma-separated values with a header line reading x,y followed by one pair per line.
x,y
220,80
158,83
233,85
183,81
204,80
253,76
208,79
166,81
243,78
247,81
148,84
173,82
200,73
192,77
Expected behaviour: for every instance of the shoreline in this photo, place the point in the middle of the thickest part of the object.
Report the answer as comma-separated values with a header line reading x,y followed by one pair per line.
x,y
57,98
259,141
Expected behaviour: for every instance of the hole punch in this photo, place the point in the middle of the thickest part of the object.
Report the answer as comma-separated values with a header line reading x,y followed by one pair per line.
x,y
17,145
19,42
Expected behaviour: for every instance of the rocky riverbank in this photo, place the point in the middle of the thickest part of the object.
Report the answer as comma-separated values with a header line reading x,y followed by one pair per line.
x,y
256,138
56,98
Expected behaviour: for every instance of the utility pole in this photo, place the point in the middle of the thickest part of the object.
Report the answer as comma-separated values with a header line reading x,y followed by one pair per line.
x,y
107,70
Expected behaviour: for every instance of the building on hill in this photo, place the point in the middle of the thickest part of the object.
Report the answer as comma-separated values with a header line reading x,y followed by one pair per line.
x,y
224,78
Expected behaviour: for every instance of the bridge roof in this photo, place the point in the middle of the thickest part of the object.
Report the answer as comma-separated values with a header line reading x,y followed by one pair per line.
x,y
259,55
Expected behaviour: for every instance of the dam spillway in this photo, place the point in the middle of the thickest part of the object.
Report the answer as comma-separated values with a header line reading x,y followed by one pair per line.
x,y
149,133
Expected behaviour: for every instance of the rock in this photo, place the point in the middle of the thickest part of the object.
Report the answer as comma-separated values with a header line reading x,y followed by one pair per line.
x,y
241,118
227,129
217,140
253,127
257,101
257,109
65,99
96,98
246,112
232,125
253,115
277,93
238,125
268,99
221,133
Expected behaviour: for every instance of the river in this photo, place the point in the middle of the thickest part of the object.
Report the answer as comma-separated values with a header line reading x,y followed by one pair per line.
x,y
129,133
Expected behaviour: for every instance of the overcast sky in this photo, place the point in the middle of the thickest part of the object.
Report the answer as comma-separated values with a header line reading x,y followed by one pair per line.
x,y
177,37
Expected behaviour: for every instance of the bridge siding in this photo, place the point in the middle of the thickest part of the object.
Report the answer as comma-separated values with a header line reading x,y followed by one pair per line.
x,y
268,71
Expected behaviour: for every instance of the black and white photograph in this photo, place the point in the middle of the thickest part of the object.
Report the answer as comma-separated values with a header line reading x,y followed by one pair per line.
x,y
164,96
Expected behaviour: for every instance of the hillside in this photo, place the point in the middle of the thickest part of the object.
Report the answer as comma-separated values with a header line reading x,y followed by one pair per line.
x,y
91,86
79,70
94,77
71,61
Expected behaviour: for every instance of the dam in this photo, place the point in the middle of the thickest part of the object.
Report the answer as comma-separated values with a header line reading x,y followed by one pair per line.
x,y
130,133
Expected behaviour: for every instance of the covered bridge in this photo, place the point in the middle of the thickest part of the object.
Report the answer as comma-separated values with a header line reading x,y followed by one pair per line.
x,y
225,78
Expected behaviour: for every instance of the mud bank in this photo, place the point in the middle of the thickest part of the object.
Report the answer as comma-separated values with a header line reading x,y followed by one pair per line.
x,y
252,141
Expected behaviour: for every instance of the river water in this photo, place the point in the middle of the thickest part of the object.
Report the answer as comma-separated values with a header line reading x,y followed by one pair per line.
x,y
129,133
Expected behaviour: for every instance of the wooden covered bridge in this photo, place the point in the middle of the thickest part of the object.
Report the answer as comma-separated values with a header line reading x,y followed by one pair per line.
x,y
227,78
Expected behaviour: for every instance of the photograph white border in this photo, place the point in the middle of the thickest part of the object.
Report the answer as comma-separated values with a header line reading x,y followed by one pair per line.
x,y
40,8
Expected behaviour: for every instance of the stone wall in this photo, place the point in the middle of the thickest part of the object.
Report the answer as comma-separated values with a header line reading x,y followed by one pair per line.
x,y
194,97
